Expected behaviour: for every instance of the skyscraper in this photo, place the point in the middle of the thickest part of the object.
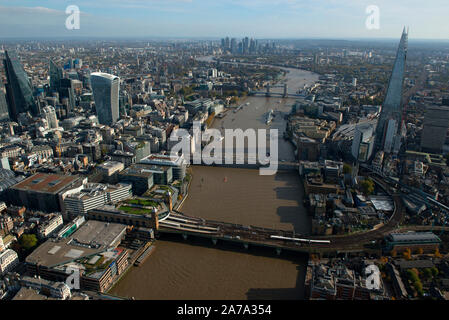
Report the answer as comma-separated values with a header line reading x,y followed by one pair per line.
x,y
390,120
436,124
55,76
19,91
105,88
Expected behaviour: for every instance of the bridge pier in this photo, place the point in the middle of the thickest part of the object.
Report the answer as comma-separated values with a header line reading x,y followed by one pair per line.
x,y
278,251
214,241
285,95
184,236
245,245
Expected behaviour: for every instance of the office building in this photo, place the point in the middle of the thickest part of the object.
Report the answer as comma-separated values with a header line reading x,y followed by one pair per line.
x,y
363,143
55,76
399,242
8,261
177,162
49,114
19,91
49,227
95,195
105,88
44,191
93,241
58,290
436,124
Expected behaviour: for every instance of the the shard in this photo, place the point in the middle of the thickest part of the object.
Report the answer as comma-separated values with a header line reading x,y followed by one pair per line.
x,y
390,120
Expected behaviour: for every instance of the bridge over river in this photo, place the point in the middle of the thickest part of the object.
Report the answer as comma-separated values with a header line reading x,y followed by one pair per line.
x,y
178,223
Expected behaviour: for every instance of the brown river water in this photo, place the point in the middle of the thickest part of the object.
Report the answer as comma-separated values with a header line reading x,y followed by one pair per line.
x,y
196,269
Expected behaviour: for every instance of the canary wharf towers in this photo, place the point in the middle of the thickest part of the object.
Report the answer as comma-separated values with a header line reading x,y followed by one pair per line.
x,y
389,124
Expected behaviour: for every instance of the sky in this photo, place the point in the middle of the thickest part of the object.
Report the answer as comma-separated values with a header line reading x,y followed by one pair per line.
x,y
328,19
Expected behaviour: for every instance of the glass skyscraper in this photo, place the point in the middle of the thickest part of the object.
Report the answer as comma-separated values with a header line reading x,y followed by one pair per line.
x,y
19,91
105,88
391,114
55,76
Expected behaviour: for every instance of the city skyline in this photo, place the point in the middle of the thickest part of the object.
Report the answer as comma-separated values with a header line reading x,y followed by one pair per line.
x,y
199,18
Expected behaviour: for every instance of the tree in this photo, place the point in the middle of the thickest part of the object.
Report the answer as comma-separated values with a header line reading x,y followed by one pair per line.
x,y
420,251
418,287
28,241
437,253
434,271
347,169
427,273
367,186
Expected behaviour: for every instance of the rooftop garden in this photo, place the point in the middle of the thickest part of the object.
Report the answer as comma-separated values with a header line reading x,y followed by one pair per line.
x,y
134,210
142,202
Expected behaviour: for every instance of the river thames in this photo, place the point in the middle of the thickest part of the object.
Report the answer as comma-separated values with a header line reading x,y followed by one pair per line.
x,y
196,269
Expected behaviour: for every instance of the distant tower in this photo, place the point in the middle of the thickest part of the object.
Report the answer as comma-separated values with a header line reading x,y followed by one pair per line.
x,y
390,120
105,88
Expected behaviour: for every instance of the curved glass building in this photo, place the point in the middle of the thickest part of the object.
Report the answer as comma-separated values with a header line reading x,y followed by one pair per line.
x,y
105,88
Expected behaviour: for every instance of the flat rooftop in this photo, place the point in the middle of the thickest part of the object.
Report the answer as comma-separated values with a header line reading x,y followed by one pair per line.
x,y
46,183
91,238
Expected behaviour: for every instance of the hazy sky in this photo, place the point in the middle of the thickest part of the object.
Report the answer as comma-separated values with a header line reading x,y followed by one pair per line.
x,y
218,18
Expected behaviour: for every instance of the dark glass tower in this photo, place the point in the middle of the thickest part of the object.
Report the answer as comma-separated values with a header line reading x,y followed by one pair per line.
x,y
19,91
391,114
55,76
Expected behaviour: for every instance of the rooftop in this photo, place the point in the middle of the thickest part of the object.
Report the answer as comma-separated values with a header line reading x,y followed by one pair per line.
x,y
47,183
91,238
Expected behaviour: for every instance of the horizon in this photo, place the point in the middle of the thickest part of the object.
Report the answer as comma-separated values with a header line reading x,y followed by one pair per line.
x,y
201,19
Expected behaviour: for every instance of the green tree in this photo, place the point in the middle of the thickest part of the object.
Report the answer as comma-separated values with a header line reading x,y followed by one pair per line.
x,y
347,169
434,271
427,273
367,186
28,241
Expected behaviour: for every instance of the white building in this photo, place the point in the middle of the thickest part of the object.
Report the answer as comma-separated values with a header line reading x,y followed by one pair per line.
x,y
47,228
8,261
49,113
58,290
108,168
95,195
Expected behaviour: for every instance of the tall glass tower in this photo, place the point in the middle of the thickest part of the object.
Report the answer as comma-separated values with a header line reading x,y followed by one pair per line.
x,y
105,88
55,76
19,91
390,119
